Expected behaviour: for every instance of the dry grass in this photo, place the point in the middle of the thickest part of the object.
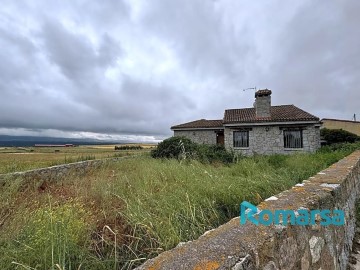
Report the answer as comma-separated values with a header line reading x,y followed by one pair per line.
x,y
13,159
111,146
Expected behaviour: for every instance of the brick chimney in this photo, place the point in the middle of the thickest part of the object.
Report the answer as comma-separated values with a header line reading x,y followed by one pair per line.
x,y
262,103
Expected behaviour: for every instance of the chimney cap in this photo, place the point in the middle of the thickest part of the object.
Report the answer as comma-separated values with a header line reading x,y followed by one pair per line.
x,y
264,92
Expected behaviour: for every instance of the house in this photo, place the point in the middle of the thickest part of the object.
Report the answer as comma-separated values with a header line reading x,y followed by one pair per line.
x,y
351,126
263,129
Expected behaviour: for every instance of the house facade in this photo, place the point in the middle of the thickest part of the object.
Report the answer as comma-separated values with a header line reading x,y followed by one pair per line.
x,y
263,129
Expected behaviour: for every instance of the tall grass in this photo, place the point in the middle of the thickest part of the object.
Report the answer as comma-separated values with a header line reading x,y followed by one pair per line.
x,y
134,209
175,202
52,236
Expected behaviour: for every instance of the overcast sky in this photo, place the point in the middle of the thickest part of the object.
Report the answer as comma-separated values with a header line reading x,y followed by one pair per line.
x,y
131,69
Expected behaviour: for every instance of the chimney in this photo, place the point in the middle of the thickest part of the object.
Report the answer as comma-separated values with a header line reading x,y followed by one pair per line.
x,y
262,103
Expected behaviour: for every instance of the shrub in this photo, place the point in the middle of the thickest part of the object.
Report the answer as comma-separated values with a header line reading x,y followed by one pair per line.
x,y
211,153
129,147
174,147
338,136
182,147
344,147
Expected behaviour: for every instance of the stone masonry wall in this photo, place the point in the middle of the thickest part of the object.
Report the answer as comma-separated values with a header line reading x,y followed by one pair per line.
x,y
56,173
272,141
262,106
239,247
198,136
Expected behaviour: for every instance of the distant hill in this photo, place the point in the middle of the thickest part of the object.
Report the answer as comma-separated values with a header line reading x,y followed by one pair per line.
x,y
25,141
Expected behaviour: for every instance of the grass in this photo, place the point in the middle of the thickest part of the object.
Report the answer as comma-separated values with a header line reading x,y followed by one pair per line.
x,y
123,213
14,159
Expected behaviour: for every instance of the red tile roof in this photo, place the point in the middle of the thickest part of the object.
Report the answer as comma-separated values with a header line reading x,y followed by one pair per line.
x,y
202,123
281,113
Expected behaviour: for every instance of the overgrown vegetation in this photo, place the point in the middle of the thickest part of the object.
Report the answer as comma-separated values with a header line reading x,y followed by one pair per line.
x,y
126,212
183,148
342,147
52,236
332,136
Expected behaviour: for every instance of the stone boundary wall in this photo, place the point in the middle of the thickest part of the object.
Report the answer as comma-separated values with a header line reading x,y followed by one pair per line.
x,y
58,172
239,247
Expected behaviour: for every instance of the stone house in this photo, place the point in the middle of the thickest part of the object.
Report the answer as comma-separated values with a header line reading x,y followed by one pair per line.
x,y
263,129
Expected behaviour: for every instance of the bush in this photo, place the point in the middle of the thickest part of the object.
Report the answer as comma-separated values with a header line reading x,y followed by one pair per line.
x,y
345,147
211,153
174,147
129,147
338,136
182,147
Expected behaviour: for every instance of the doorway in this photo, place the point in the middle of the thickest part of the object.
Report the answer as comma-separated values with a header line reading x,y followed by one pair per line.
x,y
220,138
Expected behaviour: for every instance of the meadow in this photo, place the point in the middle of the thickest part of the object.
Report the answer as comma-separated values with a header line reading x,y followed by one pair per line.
x,y
14,159
126,212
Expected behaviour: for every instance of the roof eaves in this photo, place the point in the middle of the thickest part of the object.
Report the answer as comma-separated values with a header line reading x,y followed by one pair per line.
x,y
272,123
197,128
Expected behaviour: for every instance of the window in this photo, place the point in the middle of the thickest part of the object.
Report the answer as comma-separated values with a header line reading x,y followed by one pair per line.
x,y
241,138
293,139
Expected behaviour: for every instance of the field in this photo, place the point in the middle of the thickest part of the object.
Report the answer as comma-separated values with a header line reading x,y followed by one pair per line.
x,y
13,159
125,212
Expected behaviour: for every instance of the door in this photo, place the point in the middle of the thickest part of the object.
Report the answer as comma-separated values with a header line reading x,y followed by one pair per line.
x,y
220,138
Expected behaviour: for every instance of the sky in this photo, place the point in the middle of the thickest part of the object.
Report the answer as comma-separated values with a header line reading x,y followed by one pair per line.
x,y
130,70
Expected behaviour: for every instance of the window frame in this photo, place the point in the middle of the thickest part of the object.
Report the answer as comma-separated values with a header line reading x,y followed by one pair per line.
x,y
246,145
293,145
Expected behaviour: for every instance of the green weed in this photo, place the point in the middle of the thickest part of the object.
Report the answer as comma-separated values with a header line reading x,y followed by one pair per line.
x,y
134,209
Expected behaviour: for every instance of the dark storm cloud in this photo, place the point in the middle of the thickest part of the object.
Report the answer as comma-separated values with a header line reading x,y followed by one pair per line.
x,y
72,53
196,29
13,47
78,99
318,64
138,67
